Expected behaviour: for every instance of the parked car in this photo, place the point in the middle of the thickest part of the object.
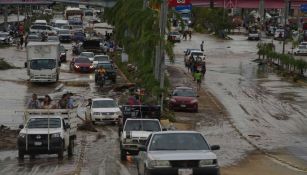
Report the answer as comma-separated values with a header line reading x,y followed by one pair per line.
x,y
177,152
53,38
34,38
104,109
40,22
301,50
82,64
279,34
100,58
271,31
5,38
174,36
254,35
64,35
184,98
89,55
187,54
111,72
43,29
63,53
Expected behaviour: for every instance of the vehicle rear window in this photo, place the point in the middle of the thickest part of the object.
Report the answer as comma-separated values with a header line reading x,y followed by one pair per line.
x,y
184,93
178,141
142,125
44,123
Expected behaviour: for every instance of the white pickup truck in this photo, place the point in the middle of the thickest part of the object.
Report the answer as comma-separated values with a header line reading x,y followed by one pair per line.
x,y
135,134
47,131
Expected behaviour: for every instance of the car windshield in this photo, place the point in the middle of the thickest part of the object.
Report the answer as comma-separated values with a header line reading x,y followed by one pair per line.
x,y
87,54
44,123
62,49
65,27
178,141
82,60
184,93
64,32
76,26
88,13
142,125
101,58
53,38
197,54
42,64
302,46
104,104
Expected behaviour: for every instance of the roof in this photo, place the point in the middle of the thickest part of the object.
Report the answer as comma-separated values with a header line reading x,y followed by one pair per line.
x,y
99,99
177,132
183,87
142,119
60,21
43,43
40,20
104,62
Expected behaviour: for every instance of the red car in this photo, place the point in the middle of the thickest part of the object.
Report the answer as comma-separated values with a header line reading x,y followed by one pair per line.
x,y
82,64
184,98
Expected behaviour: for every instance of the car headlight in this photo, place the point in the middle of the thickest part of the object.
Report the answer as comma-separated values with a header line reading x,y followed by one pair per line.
x,y
118,113
76,66
203,163
193,101
55,135
173,100
128,140
158,163
22,135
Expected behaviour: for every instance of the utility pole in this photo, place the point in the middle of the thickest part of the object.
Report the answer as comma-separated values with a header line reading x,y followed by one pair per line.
x,y
285,23
163,23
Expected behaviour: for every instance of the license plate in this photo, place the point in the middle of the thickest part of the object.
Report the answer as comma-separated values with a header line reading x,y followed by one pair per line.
x,y
183,106
185,171
38,143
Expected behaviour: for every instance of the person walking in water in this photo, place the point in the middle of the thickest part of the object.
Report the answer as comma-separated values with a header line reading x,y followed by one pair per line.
x,y
202,46
197,76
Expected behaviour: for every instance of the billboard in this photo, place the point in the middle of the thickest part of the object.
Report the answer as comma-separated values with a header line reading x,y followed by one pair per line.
x,y
174,3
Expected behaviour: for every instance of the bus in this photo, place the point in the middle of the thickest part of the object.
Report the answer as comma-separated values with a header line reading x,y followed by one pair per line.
x,y
73,13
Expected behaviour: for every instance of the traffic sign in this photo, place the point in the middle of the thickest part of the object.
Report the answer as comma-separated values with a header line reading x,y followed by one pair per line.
x,y
183,7
303,7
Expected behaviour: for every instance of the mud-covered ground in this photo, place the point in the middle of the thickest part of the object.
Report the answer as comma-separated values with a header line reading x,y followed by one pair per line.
x,y
257,117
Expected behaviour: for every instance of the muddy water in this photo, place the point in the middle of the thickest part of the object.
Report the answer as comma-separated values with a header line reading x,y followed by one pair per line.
x,y
269,111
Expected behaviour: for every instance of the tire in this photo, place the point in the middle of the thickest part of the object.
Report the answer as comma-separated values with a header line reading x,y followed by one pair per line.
x,y
123,155
61,152
21,155
71,147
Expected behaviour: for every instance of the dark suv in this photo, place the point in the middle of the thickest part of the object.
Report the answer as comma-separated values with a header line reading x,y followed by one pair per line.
x,y
110,71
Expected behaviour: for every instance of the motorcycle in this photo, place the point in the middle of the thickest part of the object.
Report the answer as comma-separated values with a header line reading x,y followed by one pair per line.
x,y
75,50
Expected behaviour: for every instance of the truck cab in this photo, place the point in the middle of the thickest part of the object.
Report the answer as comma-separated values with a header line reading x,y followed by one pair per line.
x,y
47,132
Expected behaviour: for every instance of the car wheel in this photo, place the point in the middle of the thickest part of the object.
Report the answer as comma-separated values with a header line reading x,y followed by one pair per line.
x,y
20,155
146,172
61,154
71,148
123,155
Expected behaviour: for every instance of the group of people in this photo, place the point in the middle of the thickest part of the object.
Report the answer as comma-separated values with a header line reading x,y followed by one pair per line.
x,y
66,102
185,34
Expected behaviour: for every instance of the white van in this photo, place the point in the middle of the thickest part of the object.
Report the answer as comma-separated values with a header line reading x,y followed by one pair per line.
x,y
40,22
57,24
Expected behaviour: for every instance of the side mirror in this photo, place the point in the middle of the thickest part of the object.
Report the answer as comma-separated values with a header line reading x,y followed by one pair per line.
x,y
215,147
142,148
164,129
21,126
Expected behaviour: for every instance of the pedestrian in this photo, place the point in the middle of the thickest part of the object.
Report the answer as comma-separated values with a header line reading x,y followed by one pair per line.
x,y
26,40
203,68
202,46
21,41
184,35
197,76
70,102
63,102
89,102
47,103
190,34
33,102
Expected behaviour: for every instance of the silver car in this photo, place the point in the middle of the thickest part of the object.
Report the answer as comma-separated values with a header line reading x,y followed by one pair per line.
x,y
178,153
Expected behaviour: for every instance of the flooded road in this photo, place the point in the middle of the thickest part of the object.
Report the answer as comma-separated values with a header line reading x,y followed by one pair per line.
x,y
266,109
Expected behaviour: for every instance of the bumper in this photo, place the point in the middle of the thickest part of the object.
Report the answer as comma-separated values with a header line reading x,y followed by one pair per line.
x,y
55,146
253,38
179,106
84,70
43,80
102,118
196,171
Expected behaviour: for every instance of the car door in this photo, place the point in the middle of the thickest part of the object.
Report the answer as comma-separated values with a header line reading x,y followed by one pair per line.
x,y
142,157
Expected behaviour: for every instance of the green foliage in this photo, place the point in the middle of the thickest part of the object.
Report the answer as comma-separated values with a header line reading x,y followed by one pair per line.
x,y
286,61
215,20
137,29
